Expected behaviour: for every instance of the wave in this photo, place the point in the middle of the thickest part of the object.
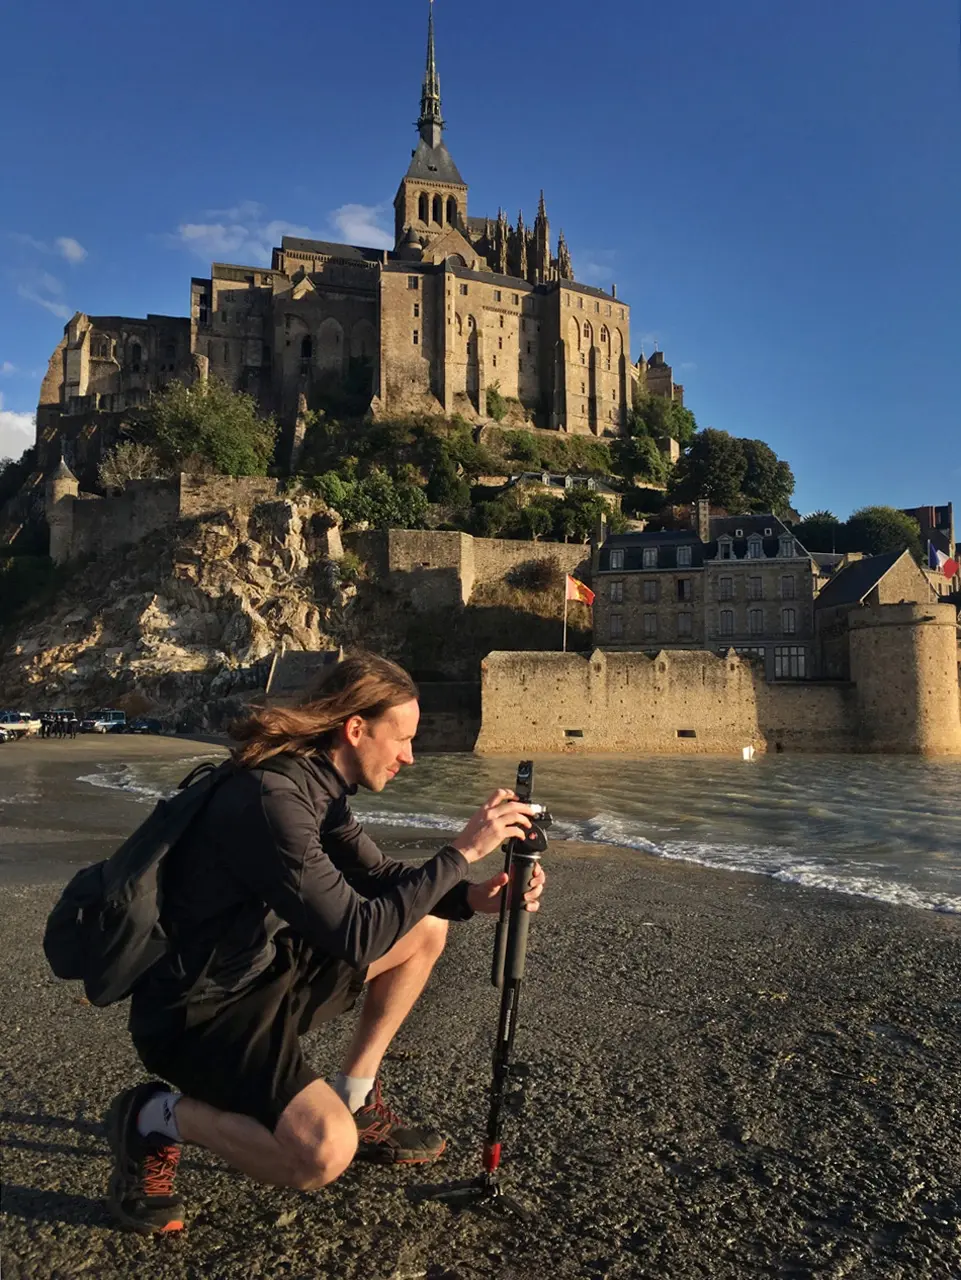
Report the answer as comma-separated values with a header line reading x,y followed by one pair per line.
x,y
123,779
776,862
773,861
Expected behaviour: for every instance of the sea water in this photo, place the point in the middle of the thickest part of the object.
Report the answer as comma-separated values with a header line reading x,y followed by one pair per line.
x,y
883,827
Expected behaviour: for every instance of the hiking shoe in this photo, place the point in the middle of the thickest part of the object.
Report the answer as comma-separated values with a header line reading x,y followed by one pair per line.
x,y
383,1138
141,1190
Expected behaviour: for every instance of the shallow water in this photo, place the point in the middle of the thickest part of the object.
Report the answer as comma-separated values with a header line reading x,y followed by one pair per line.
x,y
887,828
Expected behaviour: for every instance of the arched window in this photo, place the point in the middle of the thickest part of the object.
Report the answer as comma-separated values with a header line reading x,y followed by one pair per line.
x,y
101,347
439,210
423,207
306,348
452,211
604,336
136,356
587,330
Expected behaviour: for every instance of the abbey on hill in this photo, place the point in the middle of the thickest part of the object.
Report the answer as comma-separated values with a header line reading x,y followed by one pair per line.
x,y
461,304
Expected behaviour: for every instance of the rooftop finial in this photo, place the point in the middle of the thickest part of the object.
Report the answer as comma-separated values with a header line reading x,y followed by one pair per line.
x,y
542,207
431,122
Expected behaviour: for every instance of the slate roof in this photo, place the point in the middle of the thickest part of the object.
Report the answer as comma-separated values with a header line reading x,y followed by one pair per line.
x,y
329,249
666,543
433,164
852,584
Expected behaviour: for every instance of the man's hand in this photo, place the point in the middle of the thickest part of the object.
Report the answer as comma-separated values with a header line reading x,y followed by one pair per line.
x,y
486,896
502,817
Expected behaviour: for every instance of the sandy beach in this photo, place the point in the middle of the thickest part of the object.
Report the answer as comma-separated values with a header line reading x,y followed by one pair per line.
x,y
729,1077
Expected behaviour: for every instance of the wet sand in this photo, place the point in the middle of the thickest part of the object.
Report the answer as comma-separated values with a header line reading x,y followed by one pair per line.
x,y
729,1077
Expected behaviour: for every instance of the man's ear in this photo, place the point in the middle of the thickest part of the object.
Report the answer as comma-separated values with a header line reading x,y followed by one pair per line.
x,y
353,730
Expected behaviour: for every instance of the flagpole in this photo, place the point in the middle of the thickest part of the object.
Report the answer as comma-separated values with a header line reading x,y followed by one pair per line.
x,y
564,644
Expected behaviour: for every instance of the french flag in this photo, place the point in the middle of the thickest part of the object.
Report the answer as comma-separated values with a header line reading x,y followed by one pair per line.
x,y
941,563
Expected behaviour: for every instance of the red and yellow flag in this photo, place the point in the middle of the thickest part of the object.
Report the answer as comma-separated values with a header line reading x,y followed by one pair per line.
x,y
577,591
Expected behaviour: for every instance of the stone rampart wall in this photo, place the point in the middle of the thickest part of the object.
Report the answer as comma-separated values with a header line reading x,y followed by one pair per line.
x,y
679,702
441,568
200,494
103,524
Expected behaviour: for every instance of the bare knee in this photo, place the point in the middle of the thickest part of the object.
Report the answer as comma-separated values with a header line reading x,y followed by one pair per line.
x,y
434,931
317,1163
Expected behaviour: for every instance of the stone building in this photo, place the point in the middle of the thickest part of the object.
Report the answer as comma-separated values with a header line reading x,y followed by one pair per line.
x,y
743,583
461,304
740,582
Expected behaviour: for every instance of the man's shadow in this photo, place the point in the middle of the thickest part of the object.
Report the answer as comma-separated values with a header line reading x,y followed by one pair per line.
x,y
35,1205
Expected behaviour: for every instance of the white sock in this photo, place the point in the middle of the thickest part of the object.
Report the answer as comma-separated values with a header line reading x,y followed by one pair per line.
x,y
157,1116
352,1090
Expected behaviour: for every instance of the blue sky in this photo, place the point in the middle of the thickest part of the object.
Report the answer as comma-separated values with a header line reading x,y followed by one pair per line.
x,y
775,188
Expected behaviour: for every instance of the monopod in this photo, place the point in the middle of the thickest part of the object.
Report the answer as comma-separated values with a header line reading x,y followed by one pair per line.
x,y
507,971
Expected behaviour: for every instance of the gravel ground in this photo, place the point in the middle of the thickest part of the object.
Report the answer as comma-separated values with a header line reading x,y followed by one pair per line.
x,y
729,1077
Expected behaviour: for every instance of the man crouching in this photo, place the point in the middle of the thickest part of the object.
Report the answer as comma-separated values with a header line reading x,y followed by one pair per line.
x,y
279,908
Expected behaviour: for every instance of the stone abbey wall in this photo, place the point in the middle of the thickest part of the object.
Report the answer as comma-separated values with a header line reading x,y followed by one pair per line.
x,y
89,525
443,568
903,697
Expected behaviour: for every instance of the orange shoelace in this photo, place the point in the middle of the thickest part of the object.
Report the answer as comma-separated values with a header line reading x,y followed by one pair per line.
x,y
382,1118
160,1168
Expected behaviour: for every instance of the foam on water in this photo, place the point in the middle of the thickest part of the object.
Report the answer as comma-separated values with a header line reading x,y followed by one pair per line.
x,y
773,861
850,875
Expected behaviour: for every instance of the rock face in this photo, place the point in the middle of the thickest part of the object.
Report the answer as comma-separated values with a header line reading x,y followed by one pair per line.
x,y
185,621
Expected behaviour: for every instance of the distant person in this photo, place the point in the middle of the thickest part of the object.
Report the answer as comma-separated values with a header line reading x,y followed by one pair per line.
x,y
74,726
282,909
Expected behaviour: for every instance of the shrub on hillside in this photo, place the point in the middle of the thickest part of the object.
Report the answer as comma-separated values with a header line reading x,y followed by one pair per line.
x,y
537,575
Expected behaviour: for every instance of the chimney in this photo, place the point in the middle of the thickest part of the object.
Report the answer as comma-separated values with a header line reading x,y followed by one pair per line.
x,y
702,519
613,290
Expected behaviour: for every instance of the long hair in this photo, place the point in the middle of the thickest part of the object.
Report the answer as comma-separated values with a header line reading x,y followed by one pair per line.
x,y
362,685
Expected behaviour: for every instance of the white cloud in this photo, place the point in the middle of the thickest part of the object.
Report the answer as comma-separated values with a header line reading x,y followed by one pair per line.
x,y
687,366
37,286
17,431
71,249
64,246
7,368
358,224
243,234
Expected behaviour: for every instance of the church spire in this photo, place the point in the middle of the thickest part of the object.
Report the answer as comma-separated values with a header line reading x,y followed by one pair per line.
x,y
431,122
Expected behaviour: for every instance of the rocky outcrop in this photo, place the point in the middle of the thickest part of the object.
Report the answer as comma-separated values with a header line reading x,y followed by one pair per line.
x,y
185,621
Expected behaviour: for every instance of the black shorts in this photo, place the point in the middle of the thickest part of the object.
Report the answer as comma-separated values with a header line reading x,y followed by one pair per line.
x,y
244,1056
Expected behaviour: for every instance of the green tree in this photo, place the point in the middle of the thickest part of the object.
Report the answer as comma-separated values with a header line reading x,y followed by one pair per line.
x,y
713,467
578,512
496,403
537,519
821,531
768,482
207,426
639,458
661,419
876,530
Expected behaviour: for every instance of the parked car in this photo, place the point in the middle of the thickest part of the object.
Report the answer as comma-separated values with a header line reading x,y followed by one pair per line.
x,y
145,724
104,721
19,724
5,736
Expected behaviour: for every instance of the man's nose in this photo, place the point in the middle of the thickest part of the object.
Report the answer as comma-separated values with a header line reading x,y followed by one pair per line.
x,y
407,755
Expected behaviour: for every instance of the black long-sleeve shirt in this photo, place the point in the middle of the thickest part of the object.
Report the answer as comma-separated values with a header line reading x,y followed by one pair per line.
x,y
278,848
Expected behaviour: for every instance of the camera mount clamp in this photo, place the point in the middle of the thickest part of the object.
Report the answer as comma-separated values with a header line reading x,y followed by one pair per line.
x,y
507,971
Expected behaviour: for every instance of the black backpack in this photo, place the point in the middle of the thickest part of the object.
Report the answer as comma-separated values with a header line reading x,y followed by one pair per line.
x,y
105,929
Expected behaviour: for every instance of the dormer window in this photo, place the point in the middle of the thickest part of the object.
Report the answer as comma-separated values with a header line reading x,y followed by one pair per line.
x,y
724,549
786,548
617,559
755,549
649,558
739,533
683,557
768,532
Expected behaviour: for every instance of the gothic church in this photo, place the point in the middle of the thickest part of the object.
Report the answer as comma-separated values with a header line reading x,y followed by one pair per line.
x,y
461,305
